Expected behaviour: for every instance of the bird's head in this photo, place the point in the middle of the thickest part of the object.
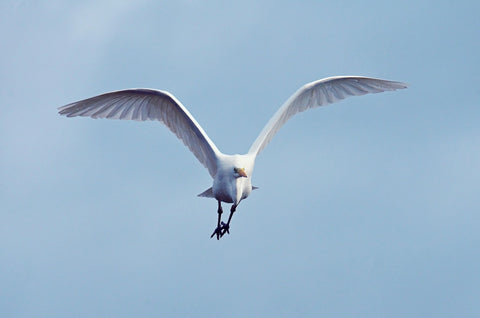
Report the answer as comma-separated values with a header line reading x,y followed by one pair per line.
x,y
239,172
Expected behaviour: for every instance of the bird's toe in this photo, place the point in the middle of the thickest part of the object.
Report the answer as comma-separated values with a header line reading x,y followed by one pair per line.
x,y
218,232
225,228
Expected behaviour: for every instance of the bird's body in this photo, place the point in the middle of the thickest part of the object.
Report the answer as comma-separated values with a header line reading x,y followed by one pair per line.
x,y
226,186
231,173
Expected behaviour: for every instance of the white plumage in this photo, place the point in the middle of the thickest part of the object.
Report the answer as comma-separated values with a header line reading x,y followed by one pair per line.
x,y
231,173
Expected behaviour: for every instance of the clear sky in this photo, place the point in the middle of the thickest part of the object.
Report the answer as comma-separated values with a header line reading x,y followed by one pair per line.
x,y
366,208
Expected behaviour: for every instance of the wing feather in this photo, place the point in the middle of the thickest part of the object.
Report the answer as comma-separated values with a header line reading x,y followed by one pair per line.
x,y
150,104
319,93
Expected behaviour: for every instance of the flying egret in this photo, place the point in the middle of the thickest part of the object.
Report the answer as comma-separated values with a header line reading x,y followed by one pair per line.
x,y
231,173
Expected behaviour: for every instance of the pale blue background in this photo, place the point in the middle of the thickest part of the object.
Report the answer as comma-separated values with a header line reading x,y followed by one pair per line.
x,y
367,208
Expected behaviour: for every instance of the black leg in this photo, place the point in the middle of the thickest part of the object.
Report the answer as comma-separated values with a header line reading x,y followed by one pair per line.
x,y
220,211
218,230
226,227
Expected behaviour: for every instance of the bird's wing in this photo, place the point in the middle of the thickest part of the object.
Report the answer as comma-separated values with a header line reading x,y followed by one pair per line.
x,y
319,93
150,104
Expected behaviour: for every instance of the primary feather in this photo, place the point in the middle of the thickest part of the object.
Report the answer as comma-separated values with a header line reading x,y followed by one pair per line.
x,y
319,93
150,104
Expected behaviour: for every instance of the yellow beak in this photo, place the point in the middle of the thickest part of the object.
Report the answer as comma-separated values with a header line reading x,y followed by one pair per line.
x,y
241,172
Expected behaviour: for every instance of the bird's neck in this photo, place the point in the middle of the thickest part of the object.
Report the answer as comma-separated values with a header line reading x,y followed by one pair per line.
x,y
239,187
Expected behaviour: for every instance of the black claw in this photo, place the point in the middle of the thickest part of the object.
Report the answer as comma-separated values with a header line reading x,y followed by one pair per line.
x,y
217,231
221,230
225,228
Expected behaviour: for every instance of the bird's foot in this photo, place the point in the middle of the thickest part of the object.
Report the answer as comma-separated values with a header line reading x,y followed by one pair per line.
x,y
218,232
225,229
221,230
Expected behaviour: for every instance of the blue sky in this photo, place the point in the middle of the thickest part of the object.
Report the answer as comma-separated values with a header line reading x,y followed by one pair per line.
x,y
366,208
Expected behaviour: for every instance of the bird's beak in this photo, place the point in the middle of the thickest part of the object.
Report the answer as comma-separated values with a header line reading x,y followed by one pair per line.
x,y
241,172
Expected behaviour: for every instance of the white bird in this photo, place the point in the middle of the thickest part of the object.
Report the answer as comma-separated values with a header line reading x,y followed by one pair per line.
x,y
231,173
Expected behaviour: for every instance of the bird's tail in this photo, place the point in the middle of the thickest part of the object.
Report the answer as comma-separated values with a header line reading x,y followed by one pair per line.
x,y
207,193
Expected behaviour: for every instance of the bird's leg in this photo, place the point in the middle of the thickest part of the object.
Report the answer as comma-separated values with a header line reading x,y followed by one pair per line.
x,y
226,227
218,230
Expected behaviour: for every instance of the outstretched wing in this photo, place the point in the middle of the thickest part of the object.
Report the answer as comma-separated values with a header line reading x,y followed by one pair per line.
x,y
319,93
150,104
